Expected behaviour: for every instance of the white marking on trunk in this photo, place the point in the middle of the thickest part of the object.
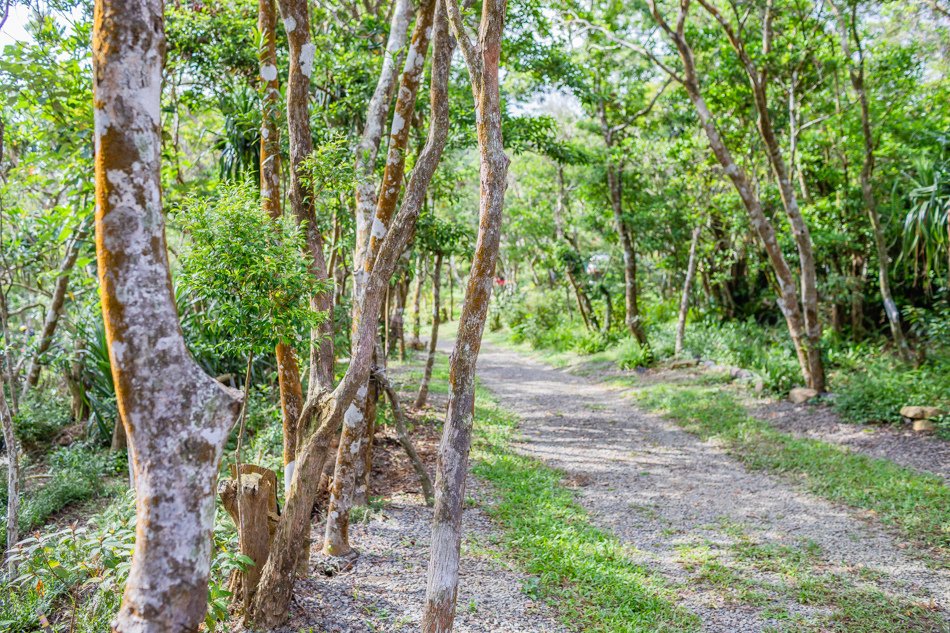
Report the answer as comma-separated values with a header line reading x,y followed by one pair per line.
x,y
290,24
307,53
379,229
398,123
352,417
268,72
288,476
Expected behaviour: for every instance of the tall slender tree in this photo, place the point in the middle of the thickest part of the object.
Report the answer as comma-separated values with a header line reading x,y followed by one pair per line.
x,y
482,58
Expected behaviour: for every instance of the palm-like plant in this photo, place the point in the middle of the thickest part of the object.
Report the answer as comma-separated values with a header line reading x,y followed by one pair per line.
x,y
926,227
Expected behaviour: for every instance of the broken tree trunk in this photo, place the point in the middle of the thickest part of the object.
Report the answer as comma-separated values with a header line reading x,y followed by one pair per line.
x,y
252,504
176,417
482,59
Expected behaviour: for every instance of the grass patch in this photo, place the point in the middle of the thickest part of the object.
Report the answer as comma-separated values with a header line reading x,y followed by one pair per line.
x,y
585,571
915,503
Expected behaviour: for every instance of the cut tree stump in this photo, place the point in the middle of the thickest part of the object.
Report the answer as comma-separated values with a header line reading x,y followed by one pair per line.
x,y
255,513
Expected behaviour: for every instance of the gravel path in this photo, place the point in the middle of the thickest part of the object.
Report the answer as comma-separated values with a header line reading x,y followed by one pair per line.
x,y
674,497
385,588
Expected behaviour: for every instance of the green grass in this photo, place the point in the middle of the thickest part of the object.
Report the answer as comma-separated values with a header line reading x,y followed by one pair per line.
x,y
917,504
847,601
586,572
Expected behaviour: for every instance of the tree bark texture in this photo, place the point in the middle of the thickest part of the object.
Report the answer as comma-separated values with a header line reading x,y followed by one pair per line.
x,y
176,417
482,59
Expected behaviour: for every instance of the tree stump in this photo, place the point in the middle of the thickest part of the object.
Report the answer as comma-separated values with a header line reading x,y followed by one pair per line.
x,y
255,513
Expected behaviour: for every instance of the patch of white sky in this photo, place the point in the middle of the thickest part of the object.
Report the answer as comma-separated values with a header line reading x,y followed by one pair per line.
x,y
16,28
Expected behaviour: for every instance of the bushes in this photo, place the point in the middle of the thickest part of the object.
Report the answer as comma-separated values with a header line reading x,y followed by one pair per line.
x,y
883,386
631,354
42,416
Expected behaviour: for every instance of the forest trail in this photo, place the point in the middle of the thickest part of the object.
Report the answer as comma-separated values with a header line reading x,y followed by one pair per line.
x,y
739,547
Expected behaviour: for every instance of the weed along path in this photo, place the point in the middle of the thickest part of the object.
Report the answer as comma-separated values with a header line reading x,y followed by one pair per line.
x,y
719,533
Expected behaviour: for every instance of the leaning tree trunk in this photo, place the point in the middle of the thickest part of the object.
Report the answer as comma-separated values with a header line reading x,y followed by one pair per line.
x,y
349,465
787,299
482,59
758,80
402,434
687,284
270,605
423,394
177,418
848,28
55,309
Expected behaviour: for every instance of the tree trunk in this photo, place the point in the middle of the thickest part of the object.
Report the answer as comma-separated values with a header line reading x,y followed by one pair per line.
x,y
13,480
423,394
416,302
614,187
687,284
270,606
482,59
354,436
848,28
288,371
758,80
55,309
787,299
177,418
368,148
858,271
296,19
252,504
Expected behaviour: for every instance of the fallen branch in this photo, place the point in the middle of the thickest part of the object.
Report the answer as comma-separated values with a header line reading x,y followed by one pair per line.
x,y
403,436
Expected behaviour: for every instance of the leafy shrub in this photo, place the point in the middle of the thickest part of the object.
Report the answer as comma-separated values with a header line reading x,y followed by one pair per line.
x,y
77,574
594,342
42,415
631,354
877,393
